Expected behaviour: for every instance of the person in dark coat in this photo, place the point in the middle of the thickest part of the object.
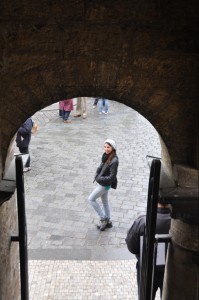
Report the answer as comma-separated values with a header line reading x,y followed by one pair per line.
x,y
106,177
163,223
23,140
61,105
95,102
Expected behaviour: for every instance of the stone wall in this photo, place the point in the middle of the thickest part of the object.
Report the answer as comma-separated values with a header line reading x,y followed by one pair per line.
x,y
9,252
143,54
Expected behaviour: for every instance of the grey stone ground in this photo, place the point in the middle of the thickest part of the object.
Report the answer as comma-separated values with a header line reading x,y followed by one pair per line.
x,y
68,257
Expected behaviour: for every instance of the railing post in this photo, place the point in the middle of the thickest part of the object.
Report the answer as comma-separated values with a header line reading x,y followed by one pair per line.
x,y
23,253
146,279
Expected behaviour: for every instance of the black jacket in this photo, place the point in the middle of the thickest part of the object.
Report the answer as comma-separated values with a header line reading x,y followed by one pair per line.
x,y
106,173
24,134
163,223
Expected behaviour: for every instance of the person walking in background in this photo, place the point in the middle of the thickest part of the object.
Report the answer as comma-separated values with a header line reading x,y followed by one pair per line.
x,y
106,177
103,103
95,102
163,223
23,140
67,108
81,108
61,104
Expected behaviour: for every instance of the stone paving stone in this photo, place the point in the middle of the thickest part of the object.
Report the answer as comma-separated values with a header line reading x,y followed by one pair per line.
x,y
69,280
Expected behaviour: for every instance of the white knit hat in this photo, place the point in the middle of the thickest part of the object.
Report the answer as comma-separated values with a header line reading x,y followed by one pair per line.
x,y
112,143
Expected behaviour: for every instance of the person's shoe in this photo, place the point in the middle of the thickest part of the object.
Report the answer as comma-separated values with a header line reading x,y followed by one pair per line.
x,y
103,112
100,113
99,224
94,106
26,169
103,225
106,113
77,115
84,116
67,121
109,224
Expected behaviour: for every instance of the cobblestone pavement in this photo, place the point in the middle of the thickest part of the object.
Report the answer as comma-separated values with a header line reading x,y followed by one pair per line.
x,y
82,280
68,257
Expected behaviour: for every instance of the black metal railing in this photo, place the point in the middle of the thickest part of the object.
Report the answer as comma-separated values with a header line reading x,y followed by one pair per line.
x,y
163,239
22,229
146,280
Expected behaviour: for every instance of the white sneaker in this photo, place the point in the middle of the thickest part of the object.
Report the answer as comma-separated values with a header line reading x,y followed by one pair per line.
x,y
106,113
26,169
67,121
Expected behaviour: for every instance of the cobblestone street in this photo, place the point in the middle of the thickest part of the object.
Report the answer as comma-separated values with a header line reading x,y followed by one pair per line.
x,y
68,257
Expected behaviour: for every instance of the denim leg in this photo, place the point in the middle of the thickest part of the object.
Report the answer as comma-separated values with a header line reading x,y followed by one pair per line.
x,y
100,105
99,191
63,114
105,203
106,105
66,115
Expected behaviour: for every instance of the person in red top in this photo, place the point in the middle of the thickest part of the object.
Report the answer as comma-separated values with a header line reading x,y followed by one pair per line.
x,y
67,108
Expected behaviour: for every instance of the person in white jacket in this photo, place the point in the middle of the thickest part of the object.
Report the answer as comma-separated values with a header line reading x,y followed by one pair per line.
x,y
81,107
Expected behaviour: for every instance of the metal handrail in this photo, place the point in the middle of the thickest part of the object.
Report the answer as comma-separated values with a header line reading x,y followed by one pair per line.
x,y
160,239
22,229
146,279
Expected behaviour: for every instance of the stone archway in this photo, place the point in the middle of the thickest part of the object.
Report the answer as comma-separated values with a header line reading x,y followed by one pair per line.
x,y
144,55
141,55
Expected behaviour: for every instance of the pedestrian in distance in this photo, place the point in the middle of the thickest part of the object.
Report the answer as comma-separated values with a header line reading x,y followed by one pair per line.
x,y
23,140
133,240
103,103
81,108
106,178
67,108
61,104
95,102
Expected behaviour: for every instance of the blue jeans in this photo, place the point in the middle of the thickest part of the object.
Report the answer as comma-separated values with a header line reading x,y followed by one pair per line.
x,y
103,102
100,191
65,115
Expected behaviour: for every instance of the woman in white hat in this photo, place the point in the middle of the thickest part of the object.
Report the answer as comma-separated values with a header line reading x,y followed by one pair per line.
x,y
106,177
